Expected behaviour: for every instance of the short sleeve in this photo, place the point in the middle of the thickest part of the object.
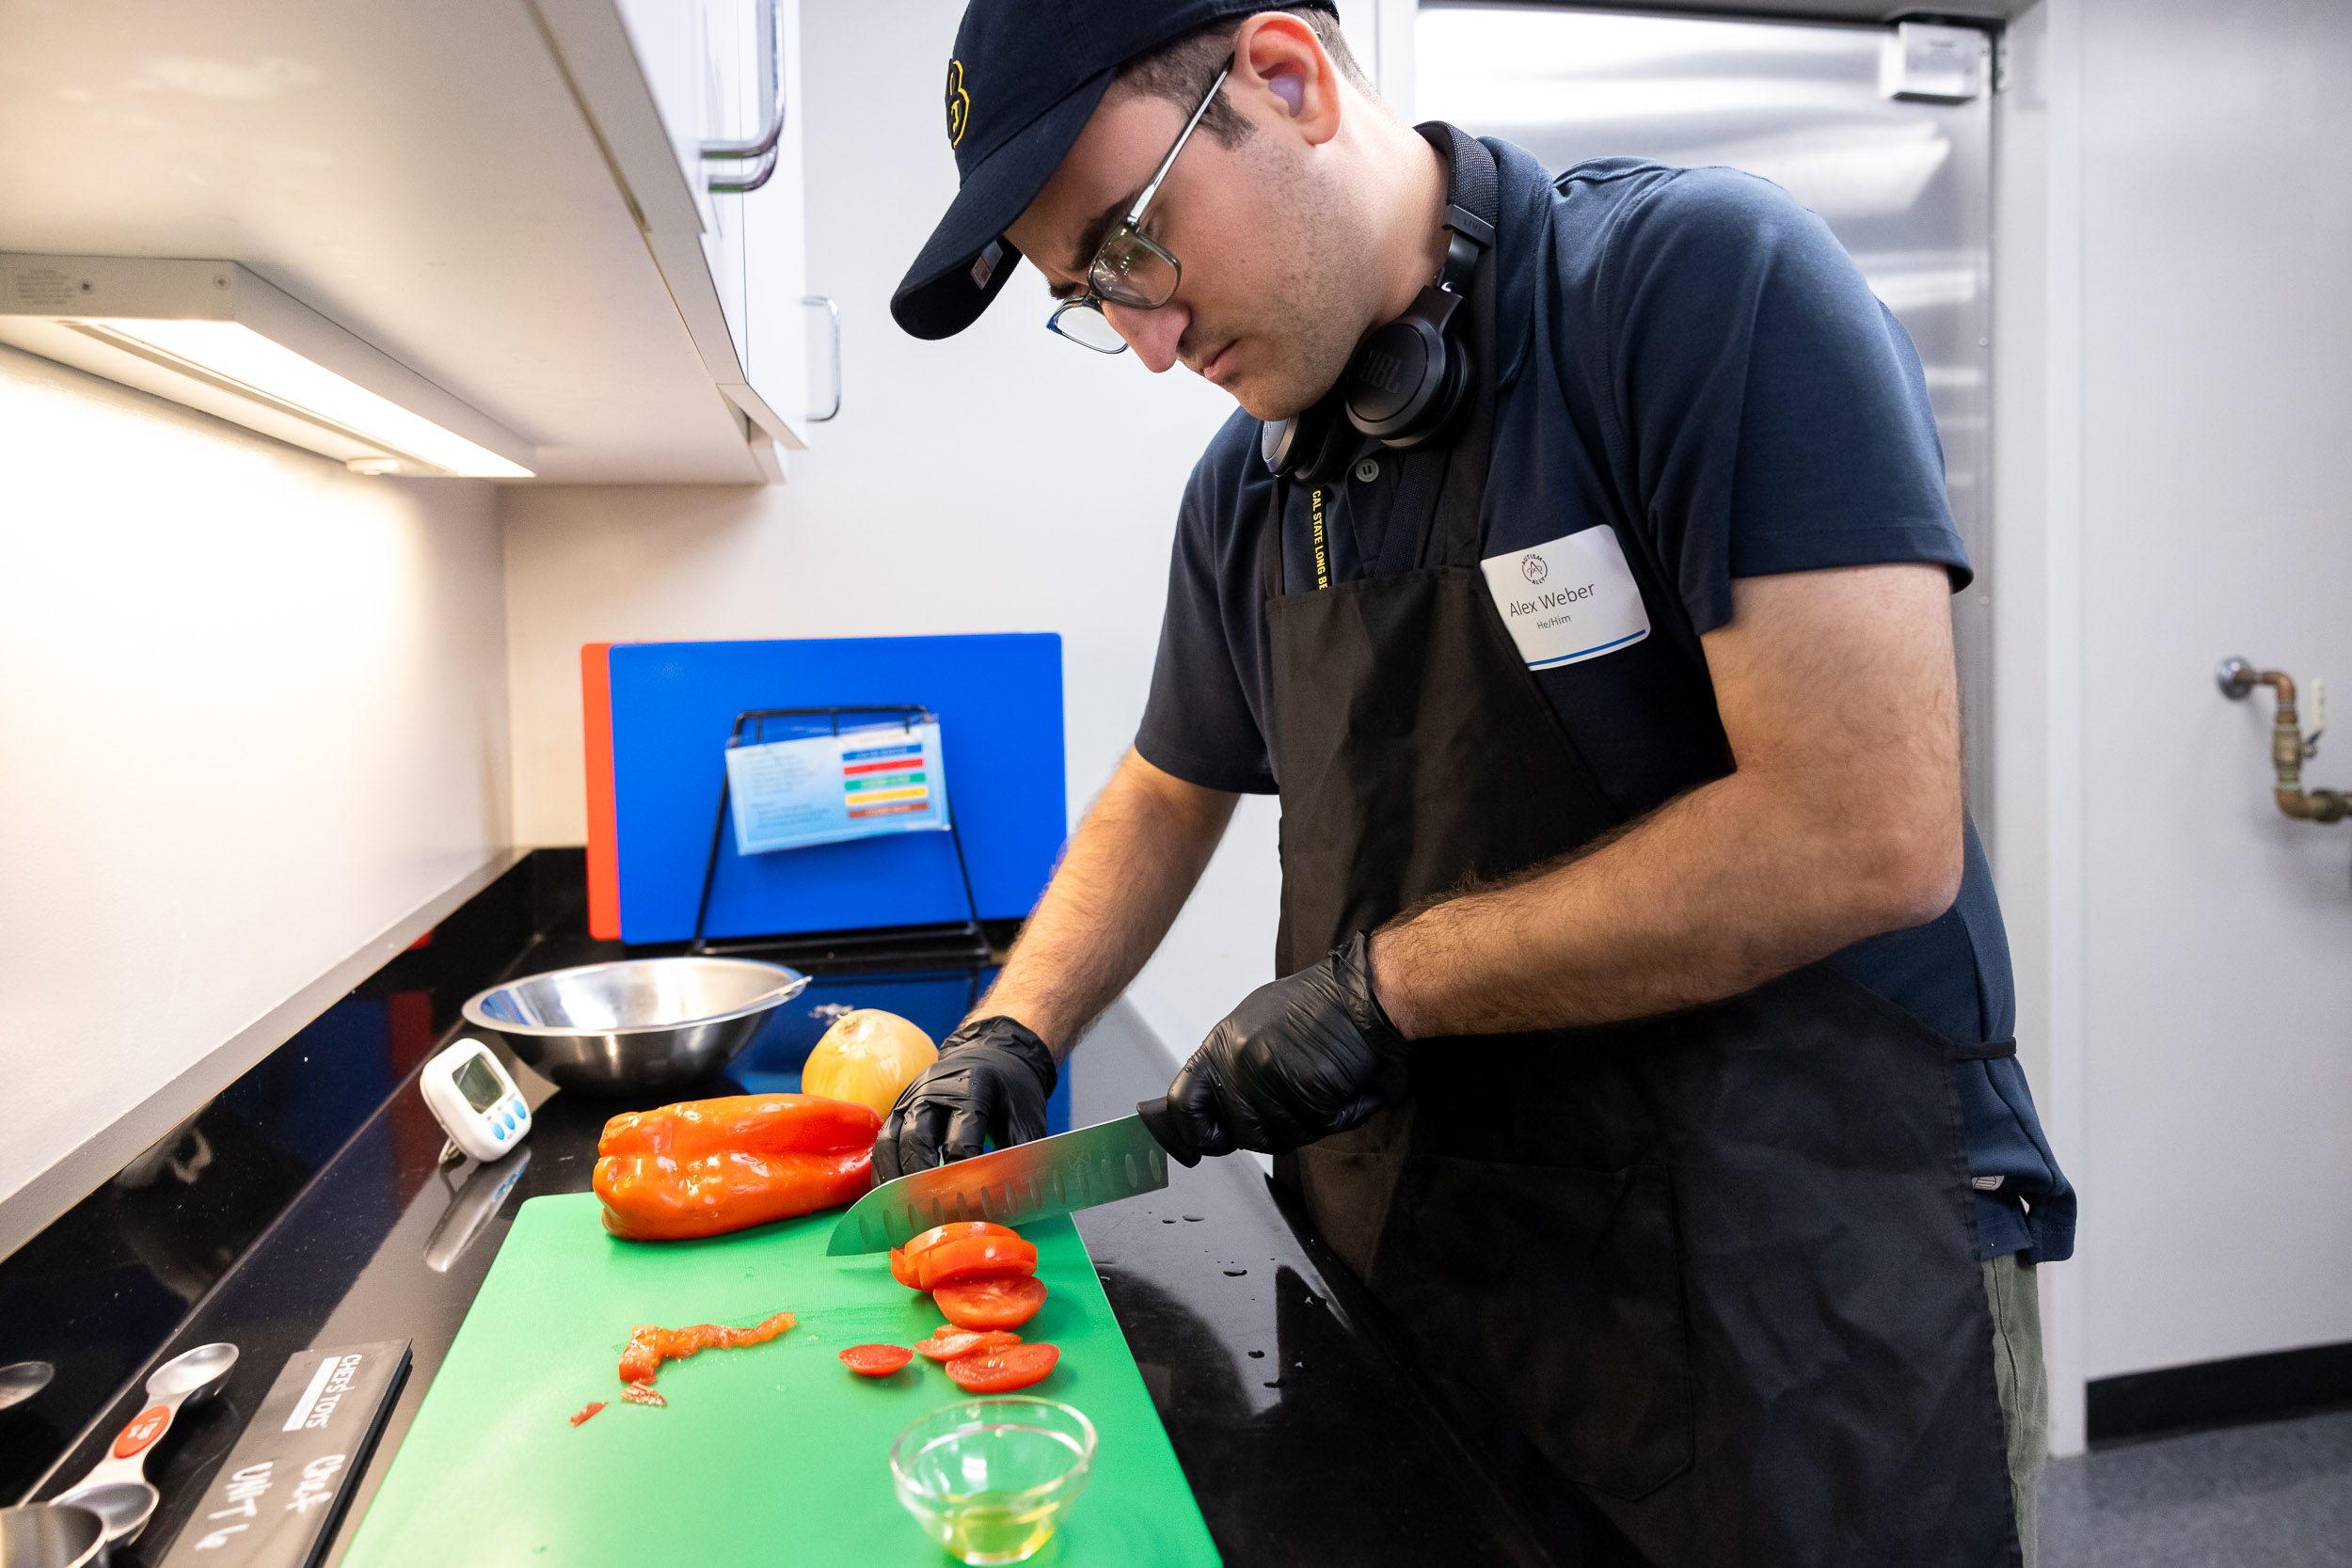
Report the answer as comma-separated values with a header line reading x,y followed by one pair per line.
x,y
1199,723
1772,409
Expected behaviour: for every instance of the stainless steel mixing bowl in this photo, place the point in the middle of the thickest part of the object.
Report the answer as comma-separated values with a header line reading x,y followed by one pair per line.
x,y
643,1024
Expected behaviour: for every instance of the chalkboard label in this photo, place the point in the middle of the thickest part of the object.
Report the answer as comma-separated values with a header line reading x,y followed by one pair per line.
x,y
276,1498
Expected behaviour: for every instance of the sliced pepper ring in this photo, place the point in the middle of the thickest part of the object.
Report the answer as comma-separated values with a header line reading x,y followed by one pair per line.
x,y
963,1258
1003,1302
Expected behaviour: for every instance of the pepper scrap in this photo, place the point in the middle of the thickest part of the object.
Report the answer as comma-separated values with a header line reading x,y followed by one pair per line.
x,y
649,1345
588,1410
642,1393
705,1166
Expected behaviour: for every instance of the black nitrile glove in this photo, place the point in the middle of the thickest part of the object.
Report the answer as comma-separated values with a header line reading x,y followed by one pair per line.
x,y
990,1082
1310,1055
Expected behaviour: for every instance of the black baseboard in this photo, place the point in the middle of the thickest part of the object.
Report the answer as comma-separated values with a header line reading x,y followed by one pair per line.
x,y
2221,1393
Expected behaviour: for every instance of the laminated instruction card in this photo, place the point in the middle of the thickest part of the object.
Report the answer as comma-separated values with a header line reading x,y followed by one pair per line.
x,y
829,787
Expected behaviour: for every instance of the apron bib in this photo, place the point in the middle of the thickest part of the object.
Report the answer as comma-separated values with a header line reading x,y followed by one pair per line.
x,y
1716,1268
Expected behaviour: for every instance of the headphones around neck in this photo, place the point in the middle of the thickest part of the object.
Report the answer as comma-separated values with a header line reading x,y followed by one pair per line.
x,y
1409,379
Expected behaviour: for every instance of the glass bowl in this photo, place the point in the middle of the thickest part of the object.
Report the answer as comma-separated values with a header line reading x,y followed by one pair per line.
x,y
990,1479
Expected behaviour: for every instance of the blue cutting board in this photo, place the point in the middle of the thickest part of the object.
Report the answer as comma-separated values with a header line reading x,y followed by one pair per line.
x,y
672,705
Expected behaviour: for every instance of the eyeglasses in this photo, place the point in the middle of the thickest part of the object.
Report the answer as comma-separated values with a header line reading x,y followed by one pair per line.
x,y
1130,267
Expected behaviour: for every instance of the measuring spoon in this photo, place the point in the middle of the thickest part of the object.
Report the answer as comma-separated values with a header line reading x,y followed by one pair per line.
x,y
21,1380
117,1489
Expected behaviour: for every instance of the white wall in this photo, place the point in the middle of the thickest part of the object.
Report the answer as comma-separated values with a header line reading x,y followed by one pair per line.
x,y
1000,481
2175,327
255,715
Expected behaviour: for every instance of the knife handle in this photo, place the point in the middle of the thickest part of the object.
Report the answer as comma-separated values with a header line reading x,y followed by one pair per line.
x,y
1167,1131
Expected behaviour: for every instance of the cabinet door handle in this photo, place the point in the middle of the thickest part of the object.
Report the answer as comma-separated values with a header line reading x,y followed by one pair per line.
x,y
750,180
833,314
762,147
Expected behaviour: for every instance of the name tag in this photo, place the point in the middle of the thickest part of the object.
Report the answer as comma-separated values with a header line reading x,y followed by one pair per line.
x,y
1571,599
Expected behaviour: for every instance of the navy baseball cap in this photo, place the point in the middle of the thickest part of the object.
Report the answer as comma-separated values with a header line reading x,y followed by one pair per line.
x,y
1025,77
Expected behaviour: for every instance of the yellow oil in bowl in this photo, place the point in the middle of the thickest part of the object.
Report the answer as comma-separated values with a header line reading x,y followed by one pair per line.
x,y
990,1479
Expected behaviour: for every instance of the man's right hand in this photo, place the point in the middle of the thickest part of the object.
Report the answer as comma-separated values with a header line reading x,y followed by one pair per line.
x,y
1308,1056
990,1083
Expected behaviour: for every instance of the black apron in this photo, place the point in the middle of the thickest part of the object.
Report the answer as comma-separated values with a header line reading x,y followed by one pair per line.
x,y
1717,1269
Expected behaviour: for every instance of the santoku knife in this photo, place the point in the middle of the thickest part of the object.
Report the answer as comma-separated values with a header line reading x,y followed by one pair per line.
x,y
1027,1181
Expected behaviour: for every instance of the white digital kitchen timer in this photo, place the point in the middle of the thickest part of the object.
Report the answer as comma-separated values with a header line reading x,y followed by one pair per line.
x,y
474,1100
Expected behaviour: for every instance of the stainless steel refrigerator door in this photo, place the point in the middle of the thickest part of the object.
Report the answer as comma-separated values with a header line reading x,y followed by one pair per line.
x,y
1905,185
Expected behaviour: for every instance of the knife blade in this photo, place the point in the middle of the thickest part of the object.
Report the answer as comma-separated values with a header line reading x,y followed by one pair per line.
x,y
1028,1181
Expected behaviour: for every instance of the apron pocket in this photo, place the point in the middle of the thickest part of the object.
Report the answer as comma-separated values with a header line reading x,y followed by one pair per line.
x,y
1558,1294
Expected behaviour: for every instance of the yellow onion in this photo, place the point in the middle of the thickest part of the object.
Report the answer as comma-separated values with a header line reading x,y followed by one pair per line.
x,y
867,1056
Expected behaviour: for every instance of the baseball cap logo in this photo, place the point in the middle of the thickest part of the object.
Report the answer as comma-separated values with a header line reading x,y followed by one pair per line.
x,y
959,104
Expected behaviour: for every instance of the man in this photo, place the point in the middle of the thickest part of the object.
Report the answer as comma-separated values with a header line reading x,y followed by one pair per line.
x,y
1642,1035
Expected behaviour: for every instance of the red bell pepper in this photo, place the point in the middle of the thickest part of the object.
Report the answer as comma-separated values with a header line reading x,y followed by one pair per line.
x,y
711,1166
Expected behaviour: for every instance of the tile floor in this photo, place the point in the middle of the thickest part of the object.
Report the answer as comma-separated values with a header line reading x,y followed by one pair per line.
x,y
2277,1495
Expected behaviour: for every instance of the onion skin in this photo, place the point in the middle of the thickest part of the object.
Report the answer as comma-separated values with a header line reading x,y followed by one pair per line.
x,y
867,1058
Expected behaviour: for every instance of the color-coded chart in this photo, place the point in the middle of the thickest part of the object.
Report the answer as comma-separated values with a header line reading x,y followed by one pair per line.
x,y
826,788
885,780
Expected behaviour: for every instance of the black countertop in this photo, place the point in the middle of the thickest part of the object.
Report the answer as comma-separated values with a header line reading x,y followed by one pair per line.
x,y
1305,1439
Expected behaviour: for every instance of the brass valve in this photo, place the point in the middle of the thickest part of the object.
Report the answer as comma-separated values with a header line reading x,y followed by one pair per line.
x,y
2289,747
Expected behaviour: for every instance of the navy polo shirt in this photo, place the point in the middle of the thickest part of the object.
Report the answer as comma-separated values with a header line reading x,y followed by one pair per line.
x,y
1690,358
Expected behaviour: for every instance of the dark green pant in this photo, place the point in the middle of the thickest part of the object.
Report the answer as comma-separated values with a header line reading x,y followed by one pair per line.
x,y
2016,1302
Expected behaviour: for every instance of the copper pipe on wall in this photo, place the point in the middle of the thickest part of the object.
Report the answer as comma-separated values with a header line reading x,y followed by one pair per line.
x,y
2236,678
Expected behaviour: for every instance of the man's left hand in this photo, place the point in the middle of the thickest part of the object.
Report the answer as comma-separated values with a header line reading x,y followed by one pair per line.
x,y
1310,1055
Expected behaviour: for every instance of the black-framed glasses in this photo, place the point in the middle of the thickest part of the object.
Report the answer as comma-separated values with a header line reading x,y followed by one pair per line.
x,y
1130,267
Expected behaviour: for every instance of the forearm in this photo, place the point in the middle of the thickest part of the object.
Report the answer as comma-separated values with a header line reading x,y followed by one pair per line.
x,y
1124,876
1843,820
1714,892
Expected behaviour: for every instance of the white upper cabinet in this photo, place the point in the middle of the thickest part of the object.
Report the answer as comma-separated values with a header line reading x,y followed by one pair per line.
x,y
716,170
511,198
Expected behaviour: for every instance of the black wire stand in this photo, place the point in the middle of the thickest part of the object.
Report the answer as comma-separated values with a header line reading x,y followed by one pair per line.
x,y
964,942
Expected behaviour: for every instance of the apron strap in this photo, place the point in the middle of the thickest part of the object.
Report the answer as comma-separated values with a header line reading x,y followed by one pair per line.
x,y
1990,1051
1454,534
1454,531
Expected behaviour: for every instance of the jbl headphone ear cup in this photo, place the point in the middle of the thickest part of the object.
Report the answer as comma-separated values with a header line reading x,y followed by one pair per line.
x,y
1282,443
1450,399
1397,370
1405,384
1310,446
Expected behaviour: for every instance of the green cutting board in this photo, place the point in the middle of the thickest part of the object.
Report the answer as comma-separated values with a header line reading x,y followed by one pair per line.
x,y
774,1454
